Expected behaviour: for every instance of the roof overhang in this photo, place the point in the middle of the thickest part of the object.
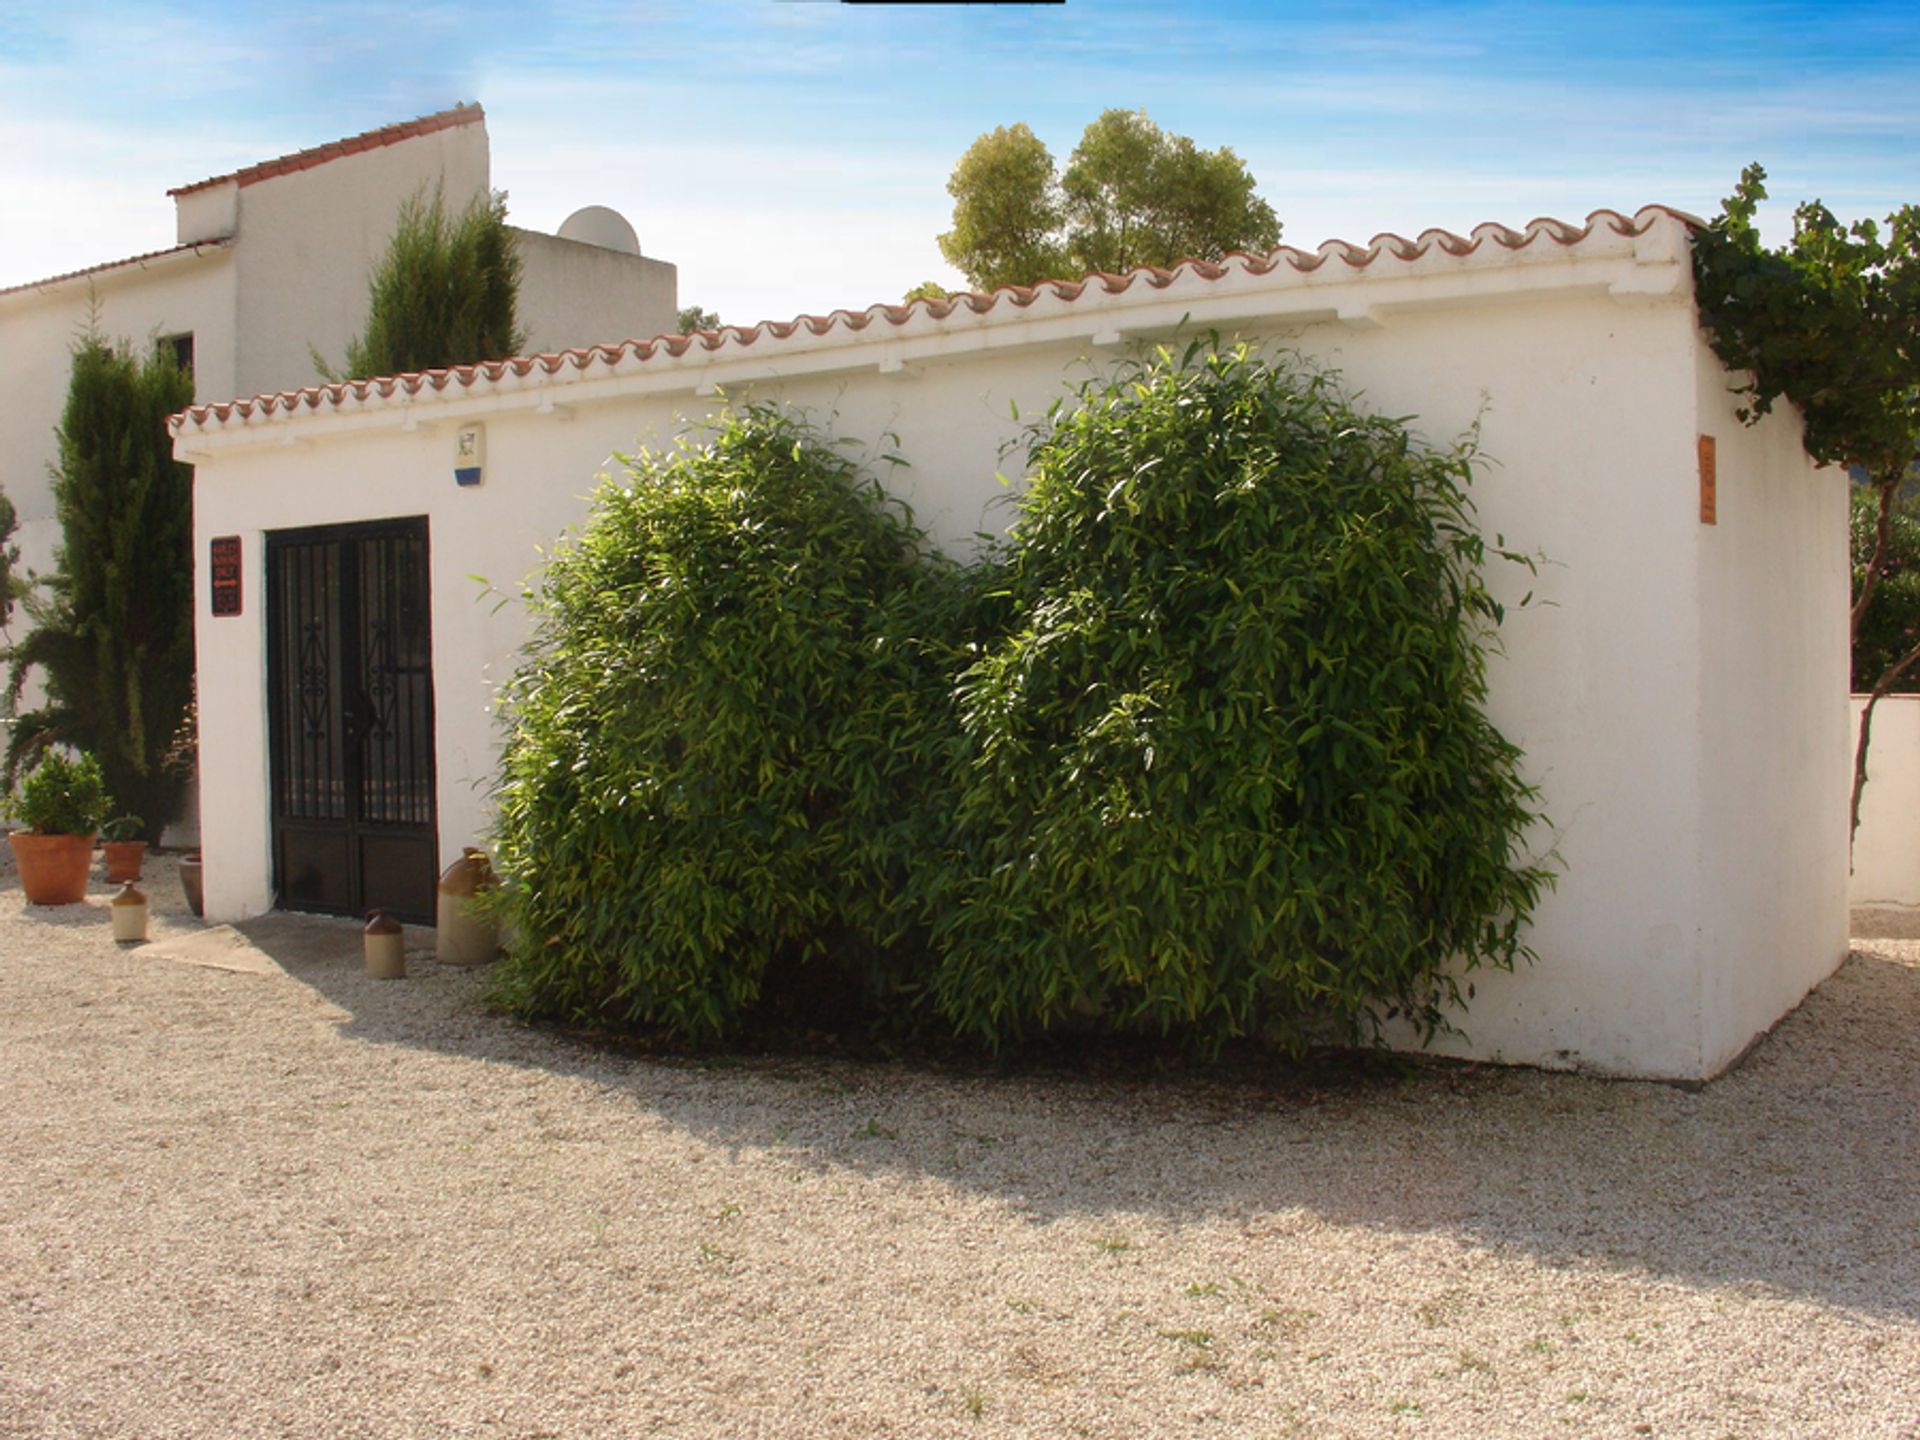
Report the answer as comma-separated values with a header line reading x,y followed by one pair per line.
x,y
168,259
1638,259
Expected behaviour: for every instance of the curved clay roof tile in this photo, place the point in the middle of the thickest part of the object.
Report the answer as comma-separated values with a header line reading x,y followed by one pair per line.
x,y
1066,292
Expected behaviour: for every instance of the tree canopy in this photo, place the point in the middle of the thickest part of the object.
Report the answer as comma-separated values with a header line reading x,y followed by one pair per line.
x,y
1131,194
1829,321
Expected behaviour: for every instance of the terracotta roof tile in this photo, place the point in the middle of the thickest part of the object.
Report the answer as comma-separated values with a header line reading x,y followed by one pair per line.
x,y
738,337
335,149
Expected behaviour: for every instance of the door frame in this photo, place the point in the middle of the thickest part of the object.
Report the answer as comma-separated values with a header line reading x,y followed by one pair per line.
x,y
350,663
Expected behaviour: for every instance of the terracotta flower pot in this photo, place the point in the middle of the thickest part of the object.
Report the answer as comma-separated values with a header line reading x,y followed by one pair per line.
x,y
53,868
123,859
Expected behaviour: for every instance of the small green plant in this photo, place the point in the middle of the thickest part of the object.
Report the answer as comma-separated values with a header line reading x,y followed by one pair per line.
x,y
975,1399
62,796
122,827
1199,1339
1112,1244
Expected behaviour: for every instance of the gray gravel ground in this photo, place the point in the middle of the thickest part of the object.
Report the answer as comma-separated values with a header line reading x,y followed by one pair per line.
x,y
303,1203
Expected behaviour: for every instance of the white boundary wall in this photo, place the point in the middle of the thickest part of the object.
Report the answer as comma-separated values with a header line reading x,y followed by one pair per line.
x,y
1677,687
1886,851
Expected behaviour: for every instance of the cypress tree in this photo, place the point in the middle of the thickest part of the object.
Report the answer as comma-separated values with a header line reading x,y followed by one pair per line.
x,y
444,293
112,628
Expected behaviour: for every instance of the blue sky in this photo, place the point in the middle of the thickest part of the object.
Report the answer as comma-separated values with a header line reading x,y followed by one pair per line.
x,y
791,155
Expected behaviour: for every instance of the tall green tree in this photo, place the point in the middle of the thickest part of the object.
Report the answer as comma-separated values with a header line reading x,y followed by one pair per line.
x,y
445,293
112,629
1006,211
1829,321
1131,194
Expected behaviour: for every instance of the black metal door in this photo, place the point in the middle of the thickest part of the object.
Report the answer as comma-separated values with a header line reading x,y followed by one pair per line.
x,y
350,691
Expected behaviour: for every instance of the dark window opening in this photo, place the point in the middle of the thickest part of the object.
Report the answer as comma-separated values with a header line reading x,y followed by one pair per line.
x,y
182,347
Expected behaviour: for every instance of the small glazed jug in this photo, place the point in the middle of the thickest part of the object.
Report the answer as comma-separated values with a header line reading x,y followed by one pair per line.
x,y
129,909
385,946
462,937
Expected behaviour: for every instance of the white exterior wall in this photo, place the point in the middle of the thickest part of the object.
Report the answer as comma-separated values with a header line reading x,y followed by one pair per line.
x,y
291,278
1679,928
210,213
572,294
1772,631
309,239
37,330
1886,851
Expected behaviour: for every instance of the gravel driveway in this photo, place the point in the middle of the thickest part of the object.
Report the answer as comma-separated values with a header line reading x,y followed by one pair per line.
x,y
288,1201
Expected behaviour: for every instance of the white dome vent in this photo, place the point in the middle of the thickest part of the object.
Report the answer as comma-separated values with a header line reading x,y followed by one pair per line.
x,y
598,225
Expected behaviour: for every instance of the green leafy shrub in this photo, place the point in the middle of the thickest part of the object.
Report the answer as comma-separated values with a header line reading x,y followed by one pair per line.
x,y
723,739
1199,750
1890,628
1228,771
62,796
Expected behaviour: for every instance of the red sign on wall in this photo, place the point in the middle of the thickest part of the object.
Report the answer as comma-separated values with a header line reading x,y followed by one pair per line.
x,y
1709,483
224,563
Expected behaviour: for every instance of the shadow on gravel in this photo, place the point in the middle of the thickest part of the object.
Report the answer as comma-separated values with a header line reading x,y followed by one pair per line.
x,y
1798,1172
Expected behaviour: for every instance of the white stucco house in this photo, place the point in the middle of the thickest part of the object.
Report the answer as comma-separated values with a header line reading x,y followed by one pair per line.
x,y
1678,684
270,263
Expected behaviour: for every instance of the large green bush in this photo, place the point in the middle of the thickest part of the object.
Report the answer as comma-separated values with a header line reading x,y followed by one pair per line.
x,y
1199,750
722,739
1228,771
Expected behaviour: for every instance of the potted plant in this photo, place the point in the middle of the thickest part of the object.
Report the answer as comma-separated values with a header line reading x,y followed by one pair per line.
x,y
61,804
124,853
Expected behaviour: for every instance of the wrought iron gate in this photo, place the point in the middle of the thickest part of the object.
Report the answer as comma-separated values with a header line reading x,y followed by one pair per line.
x,y
350,691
